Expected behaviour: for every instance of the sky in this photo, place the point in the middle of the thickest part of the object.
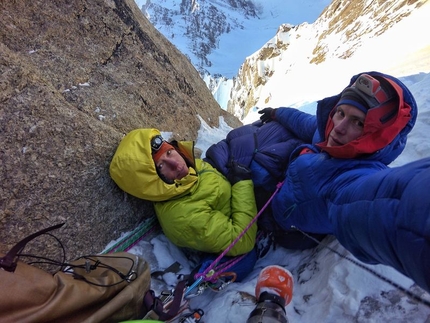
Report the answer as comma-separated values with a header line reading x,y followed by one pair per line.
x,y
328,287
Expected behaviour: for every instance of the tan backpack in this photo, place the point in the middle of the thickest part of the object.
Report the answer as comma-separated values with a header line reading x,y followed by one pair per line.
x,y
97,288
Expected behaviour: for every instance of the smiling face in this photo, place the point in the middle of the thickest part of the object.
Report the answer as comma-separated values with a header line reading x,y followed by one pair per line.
x,y
348,124
171,165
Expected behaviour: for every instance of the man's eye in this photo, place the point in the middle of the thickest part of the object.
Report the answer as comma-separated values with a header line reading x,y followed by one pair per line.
x,y
359,123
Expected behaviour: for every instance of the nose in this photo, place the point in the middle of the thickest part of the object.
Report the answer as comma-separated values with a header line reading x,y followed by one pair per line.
x,y
173,164
340,127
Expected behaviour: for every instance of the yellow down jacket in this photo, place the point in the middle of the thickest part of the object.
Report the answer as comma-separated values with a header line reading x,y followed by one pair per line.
x,y
201,211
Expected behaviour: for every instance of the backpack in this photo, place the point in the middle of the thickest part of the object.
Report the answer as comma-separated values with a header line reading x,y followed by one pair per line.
x,y
94,288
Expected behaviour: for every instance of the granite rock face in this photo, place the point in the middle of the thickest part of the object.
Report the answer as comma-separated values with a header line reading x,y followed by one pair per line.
x,y
75,76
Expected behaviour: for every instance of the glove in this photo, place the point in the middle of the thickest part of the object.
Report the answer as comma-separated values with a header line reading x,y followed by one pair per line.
x,y
238,173
267,114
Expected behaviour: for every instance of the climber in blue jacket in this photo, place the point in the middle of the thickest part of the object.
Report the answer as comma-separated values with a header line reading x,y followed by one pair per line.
x,y
341,184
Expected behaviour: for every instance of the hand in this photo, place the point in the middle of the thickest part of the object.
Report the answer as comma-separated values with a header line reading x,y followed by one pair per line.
x,y
267,114
238,173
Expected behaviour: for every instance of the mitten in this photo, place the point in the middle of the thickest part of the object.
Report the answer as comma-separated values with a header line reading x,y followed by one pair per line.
x,y
238,173
267,114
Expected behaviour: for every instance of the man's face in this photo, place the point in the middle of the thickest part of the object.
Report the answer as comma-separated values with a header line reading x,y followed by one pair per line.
x,y
348,124
171,165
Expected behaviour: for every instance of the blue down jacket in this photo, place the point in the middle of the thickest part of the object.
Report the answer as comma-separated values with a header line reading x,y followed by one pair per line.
x,y
264,148
380,214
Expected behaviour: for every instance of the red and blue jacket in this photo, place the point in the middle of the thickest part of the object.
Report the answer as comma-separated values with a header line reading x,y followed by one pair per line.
x,y
380,214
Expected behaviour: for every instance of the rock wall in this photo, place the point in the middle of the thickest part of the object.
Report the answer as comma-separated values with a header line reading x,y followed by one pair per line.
x,y
75,76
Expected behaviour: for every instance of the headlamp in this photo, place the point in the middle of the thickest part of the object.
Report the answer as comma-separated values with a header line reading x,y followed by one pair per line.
x,y
156,143
369,89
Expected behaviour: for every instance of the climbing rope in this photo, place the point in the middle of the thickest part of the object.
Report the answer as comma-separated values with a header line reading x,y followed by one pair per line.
x,y
371,271
211,273
131,239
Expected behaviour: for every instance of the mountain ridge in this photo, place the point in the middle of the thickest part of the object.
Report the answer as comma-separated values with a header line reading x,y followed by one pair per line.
x,y
206,30
338,33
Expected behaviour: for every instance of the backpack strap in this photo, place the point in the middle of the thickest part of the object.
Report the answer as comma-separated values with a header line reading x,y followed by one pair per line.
x,y
157,308
9,262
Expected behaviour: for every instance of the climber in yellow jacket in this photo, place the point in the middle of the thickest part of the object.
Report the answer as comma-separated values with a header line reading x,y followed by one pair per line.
x,y
197,206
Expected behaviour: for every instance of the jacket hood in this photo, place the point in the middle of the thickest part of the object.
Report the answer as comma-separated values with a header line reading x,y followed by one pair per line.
x,y
133,169
382,140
